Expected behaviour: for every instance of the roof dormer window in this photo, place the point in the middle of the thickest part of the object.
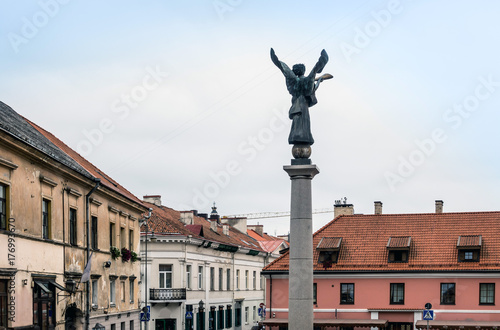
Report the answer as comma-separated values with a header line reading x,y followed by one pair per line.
x,y
469,248
329,248
399,248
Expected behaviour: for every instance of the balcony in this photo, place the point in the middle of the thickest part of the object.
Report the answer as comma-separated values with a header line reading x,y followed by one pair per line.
x,y
167,295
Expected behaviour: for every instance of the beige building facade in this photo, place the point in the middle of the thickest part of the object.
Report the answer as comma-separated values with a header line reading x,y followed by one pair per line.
x,y
56,209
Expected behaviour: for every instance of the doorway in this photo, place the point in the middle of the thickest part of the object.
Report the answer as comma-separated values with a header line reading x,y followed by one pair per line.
x,y
165,324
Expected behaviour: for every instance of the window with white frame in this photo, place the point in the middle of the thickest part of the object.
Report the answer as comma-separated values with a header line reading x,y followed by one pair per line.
x,y
246,314
228,279
246,279
112,292
200,277
255,280
165,276
131,290
188,276
94,292
237,279
221,279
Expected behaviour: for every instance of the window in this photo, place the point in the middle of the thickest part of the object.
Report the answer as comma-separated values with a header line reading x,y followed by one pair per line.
x,y
132,325
188,276
221,279
212,318
228,279
212,278
200,277
123,238
131,240
229,317
112,234
468,255
72,227
122,290
246,314
4,298
131,290
246,279
113,326
237,279
45,218
44,305
447,293
347,293
254,280
398,256
237,316
112,292
3,208
93,233
165,276
254,313
315,293
397,293
94,293
487,293
220,318
122,326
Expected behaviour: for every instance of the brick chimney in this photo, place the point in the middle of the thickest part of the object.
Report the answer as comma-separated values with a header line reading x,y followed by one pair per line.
x,y
259,229
342,208
378,207
153,199
439,206
187,217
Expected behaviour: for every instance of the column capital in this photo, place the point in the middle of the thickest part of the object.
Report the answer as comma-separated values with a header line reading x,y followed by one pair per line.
x,y
307,171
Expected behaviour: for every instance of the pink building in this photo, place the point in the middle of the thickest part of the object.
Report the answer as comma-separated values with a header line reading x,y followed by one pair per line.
x,y
380,270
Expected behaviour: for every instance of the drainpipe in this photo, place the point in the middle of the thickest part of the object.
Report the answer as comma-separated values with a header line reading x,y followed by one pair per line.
x,y
270,295
87,215
145,308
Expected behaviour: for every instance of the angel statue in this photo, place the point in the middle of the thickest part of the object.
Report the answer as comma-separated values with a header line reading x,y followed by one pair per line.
x,y
302,88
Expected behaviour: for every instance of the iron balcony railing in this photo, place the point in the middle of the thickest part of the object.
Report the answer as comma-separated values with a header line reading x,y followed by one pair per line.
x,y
167,294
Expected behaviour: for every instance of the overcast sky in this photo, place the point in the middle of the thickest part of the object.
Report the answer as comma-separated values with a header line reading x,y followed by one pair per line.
x,y
181,99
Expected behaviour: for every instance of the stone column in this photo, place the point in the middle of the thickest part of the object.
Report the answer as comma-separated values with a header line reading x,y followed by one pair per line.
x,y
300,300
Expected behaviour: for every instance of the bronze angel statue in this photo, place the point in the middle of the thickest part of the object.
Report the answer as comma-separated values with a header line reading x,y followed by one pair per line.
x,y
302,88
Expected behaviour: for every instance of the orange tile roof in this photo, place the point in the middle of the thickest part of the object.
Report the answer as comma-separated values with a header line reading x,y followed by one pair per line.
x,y
433,242
267,242
165,220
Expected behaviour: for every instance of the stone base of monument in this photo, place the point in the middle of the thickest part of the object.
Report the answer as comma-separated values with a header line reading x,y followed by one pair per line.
x,y
301,153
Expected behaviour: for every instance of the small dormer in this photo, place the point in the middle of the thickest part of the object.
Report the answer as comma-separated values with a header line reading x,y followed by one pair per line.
x,y
399,248
328,248
469,248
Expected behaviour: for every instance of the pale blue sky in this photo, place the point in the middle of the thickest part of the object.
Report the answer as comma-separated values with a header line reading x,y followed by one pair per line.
x,y
204,85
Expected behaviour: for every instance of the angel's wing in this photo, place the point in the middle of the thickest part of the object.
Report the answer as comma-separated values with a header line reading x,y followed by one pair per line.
x,y
287,72
323,59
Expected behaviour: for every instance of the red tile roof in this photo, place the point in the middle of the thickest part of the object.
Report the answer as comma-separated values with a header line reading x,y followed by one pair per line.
x,y
399,242
267,242
329,243
469,241
433,242
165,220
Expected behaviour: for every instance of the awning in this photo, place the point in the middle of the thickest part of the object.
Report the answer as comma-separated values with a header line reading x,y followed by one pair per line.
x,y
333,323
60,287
42,286
458,325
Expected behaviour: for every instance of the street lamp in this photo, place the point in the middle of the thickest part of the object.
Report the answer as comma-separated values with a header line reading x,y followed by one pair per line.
x,y
201,315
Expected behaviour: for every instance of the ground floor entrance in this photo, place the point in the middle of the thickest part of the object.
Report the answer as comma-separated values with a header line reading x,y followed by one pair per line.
x,y
400,326
165,324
